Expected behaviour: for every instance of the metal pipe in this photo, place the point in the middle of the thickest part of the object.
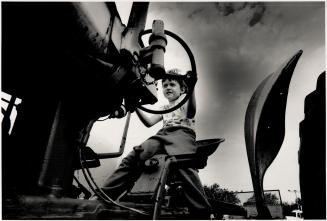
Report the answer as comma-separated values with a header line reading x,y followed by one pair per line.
x,y
136,24
6,123
163,179
54,188
122,144
5,100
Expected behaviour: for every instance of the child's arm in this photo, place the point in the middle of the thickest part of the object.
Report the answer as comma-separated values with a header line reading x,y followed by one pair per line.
x,y
148,121
191,106
191,103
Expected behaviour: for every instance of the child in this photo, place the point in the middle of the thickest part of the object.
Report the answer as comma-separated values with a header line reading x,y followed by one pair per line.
x,y
176,137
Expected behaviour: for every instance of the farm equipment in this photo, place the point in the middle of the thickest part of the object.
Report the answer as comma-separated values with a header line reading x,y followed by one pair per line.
x,y
71,64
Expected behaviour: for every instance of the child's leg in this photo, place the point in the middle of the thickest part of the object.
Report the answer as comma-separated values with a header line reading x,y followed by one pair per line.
x,y
130,168
194,193
123,177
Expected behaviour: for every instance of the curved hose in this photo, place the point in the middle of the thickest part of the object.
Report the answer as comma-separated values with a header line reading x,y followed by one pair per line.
x,y
104,196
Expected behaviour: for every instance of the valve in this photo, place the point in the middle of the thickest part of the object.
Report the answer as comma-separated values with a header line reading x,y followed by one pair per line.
x,y
151,164
119,112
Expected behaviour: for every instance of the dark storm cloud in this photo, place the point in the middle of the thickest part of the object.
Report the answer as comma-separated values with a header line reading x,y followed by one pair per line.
x,y
234,54
194,13
228,8
259,9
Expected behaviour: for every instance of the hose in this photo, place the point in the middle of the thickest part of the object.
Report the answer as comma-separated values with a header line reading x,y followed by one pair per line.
x,y
104,196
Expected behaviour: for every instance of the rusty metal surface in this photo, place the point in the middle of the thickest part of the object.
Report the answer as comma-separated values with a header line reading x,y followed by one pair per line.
x,y
42,40
150,178
53,53
51,208
265,126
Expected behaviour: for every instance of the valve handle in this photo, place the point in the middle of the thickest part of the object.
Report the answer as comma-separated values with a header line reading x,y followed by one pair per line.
x,y
190,78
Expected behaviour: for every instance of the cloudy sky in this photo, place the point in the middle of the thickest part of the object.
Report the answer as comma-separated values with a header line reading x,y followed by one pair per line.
x,y
235,45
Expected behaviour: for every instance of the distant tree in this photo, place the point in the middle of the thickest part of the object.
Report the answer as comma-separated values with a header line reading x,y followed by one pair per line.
x,y
217,193
288,208
270,198
298,201
250,201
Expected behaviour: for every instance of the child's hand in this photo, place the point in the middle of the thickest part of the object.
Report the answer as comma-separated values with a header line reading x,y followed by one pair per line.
x,y
191,78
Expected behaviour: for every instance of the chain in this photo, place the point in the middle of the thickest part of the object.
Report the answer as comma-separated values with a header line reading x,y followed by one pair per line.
x,y
143,71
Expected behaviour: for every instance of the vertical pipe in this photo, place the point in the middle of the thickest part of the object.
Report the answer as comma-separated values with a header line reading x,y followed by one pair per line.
x,y
122,144
6,124
54,189
159,195
136,24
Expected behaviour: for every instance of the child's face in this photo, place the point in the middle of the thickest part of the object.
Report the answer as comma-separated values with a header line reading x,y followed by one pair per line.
x,y
171,89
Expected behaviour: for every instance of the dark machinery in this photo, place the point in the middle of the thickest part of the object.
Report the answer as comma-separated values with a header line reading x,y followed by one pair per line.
x,y
312,152
69,70
81,70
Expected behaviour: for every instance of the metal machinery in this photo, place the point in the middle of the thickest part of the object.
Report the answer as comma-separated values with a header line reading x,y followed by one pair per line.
x,y
312,152
69,71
